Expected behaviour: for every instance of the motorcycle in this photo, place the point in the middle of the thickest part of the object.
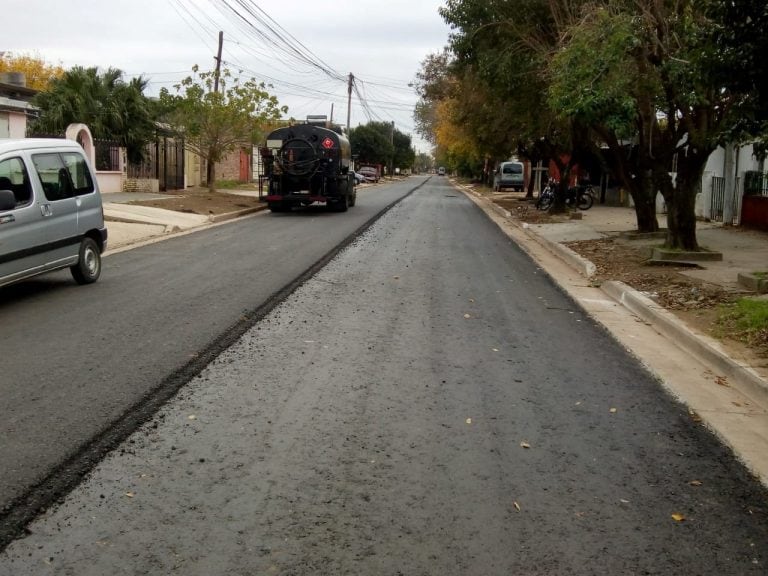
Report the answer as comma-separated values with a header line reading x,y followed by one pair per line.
x,y
582,196
547,195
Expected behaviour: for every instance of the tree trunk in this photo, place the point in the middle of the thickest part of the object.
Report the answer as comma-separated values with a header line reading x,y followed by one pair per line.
x,y
681,197
561,192
211,176
681,221
643,194
211,172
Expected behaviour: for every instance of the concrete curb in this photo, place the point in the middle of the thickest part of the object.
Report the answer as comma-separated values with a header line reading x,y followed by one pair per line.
x,y
576,261
238,214
581,264
701,346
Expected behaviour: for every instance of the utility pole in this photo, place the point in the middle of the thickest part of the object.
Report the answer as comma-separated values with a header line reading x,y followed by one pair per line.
x,y
392,159
218,63
210,168
349,98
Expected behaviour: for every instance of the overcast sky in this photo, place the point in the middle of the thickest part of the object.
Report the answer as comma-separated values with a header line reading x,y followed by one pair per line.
x,y
382,42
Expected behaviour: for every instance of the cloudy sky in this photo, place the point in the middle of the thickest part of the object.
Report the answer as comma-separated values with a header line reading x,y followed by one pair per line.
x,y
381,42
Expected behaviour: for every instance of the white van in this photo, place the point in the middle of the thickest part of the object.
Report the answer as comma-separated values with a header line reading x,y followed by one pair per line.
x,y
51,215
509,175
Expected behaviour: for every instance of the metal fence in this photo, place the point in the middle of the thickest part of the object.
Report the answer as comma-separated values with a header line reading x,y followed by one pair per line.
x,y
717,202
755,183
163,161
107,155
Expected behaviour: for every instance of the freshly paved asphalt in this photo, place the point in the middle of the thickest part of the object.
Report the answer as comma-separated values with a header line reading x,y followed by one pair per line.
x,y
428,403
77,359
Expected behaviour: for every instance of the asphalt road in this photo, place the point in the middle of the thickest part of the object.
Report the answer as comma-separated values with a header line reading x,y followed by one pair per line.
x,y
77,360
428,403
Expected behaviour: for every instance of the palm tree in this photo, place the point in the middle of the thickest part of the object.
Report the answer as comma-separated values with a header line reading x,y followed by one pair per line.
x,y
112,108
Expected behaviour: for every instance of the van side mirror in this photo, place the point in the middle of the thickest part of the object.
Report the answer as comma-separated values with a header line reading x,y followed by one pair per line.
x,y
7,200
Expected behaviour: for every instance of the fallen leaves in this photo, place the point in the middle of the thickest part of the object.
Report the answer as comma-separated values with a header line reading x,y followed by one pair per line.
x,y
695,483
525,445
469,420
677,517
694,416
516,505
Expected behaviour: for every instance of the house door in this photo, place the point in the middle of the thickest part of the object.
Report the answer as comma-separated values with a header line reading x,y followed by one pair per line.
x,y
245,162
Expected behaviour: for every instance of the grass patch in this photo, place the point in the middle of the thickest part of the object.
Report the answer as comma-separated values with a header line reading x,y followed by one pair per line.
x,y
234,185
760,275
745,320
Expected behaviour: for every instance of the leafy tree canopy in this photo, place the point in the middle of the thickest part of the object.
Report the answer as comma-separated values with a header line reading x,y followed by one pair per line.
x,y
216,122
112,108
381,143
37,72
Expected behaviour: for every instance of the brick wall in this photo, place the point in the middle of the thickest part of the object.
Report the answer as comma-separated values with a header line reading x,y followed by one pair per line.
x,y
146,185
229,167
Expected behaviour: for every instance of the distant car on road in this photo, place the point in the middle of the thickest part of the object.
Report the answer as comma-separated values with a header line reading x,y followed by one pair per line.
x,y
441,171
370,173
359,178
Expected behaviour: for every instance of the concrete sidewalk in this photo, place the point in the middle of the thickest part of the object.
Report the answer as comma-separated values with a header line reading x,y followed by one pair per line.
x,y
744,251
129,224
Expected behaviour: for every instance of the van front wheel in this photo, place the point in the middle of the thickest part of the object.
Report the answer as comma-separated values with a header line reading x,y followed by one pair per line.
x,y
88,268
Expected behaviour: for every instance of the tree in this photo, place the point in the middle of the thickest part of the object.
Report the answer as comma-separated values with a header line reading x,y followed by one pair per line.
x,y
610,94
37,73
112,108
675,79
423,162
371,143
403,155
500,49
214,123
680,75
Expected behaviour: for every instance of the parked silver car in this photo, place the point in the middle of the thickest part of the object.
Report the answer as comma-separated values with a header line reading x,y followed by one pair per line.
x,y
509,175
51,213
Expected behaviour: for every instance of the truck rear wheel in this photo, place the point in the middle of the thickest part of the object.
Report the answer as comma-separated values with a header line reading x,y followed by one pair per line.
x,y
339,205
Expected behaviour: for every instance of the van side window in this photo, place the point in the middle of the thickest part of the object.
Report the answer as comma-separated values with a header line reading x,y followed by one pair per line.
x,y
79,174
62,175
14,177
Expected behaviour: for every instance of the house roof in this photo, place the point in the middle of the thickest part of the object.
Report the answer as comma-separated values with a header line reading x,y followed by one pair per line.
x,y
17,92
15,105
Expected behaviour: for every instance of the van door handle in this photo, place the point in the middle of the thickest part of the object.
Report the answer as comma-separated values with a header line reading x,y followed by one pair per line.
x,y
45,210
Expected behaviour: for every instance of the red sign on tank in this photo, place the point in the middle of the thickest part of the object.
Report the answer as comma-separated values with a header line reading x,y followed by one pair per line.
x,y
327,143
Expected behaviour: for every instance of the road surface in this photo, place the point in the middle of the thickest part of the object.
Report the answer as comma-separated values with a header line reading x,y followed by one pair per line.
x,y
427,403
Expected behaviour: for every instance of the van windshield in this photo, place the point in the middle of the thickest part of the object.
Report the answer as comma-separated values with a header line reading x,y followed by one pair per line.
x,y
512,169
